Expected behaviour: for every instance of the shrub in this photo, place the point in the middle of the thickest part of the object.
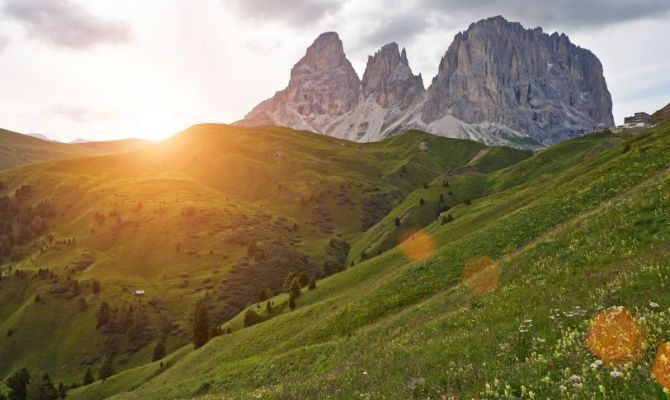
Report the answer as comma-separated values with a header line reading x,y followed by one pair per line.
x,y
312,283
107,369
251,317
159,351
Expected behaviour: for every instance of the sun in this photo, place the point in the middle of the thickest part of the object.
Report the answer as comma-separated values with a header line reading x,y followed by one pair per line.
x,y
156,124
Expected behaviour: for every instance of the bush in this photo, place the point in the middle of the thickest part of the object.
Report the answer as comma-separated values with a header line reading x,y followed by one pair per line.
x,y
312,283
107,369
251,318
159,351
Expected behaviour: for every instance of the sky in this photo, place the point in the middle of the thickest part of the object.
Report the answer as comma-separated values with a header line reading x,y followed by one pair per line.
x,y
103,70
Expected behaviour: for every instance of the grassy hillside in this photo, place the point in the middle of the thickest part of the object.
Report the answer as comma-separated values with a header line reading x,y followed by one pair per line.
x,y
505,301
17,149
216,213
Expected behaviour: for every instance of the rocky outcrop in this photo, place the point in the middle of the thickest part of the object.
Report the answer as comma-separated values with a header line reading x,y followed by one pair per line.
x,y
389,81
498,83
533,83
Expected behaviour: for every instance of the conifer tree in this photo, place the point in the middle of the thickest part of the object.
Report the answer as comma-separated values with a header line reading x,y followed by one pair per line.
x,y
159,350
18,385
88,377
200,325
107,369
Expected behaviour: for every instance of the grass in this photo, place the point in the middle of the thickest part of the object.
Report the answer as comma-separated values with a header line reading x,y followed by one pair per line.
x,y
238,192
574,230
17,149
389,328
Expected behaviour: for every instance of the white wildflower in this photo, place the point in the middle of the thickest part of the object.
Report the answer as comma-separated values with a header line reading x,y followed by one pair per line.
x,y
616,374
653,304
563,388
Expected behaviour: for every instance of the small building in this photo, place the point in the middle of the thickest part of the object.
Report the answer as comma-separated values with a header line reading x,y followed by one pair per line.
x,y
639,120
139,292
279,155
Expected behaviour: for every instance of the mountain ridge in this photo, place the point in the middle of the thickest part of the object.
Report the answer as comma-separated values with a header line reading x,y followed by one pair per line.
x,y
498,83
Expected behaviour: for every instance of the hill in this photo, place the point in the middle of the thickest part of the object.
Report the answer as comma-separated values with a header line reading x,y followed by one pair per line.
x,y
17,149
662,115
217,213
552,285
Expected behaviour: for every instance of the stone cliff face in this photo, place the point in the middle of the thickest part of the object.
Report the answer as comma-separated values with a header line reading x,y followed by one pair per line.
x,y
388,79
540,85
498,83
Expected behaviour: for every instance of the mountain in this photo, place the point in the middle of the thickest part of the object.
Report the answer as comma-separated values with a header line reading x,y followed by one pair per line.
x,y
17,149
216,213
497,83
662,115
41,136
511,297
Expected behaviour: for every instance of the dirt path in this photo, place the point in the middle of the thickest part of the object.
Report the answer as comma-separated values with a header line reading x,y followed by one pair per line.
x,y
479,155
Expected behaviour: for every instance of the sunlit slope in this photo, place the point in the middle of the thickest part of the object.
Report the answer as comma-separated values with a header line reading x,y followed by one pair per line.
x,y
179,220
558,246
17,149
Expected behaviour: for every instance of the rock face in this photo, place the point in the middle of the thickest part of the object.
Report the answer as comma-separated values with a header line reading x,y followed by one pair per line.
x,y
533,83
498,83
389,81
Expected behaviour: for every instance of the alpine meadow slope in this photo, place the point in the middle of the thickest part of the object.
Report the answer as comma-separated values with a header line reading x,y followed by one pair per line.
x,y
500,307
217,213
17,149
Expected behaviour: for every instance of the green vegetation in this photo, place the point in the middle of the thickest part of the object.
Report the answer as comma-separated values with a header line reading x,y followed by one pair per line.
x,y
569,231
127,244
17,149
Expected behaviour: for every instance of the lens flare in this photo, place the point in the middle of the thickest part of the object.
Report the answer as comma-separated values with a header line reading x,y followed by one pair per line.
x,y
417,245
481,275
616,336
661,370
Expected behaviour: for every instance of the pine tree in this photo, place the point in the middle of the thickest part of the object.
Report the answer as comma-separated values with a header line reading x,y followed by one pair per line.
x,y
96,287
103,315
42,390
159,351
88,377
18,385
200,325
397,221
62,391
107,369
312,283
291,301
295,288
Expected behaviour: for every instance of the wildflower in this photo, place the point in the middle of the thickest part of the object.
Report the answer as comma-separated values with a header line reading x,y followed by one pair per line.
x,y
653,304
365,372
563,388
575,378
616,374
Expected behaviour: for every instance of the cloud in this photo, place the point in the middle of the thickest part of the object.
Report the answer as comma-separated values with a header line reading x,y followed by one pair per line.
x,y
291,12
573,14
64,23
4,41
75,113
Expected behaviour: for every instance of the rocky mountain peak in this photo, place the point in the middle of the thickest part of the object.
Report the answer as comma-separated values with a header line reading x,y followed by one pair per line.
x,y
533,83
498,82
389,79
